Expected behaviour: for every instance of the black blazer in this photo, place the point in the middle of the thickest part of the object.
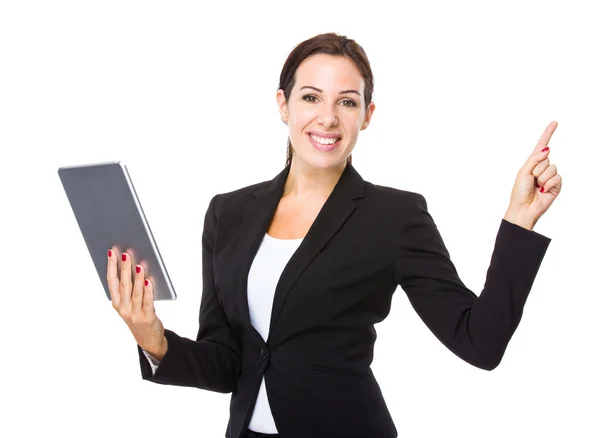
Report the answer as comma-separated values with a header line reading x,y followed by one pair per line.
x,y
366,240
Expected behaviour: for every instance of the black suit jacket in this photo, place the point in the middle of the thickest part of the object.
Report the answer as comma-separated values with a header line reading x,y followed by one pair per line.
x,y
366,240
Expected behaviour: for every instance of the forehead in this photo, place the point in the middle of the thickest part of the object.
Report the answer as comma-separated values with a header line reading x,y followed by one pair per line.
x,y
329,73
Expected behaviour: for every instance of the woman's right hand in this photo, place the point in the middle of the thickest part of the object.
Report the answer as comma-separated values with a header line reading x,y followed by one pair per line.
x,y
135,304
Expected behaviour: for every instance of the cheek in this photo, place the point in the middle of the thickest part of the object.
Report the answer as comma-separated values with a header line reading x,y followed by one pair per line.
x,y
300,119
360,121
355,125
302,115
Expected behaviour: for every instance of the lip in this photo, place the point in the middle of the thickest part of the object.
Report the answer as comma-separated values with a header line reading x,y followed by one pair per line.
x,y
324,147
325,134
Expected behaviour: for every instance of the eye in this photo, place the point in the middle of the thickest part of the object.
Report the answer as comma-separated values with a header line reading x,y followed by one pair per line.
x,y
310,98
350,103
346,102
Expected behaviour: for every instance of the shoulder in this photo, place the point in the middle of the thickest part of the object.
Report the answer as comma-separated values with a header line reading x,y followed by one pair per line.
x,y
237,197
395,197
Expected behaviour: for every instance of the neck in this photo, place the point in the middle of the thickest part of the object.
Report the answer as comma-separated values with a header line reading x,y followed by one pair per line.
x,y
306,183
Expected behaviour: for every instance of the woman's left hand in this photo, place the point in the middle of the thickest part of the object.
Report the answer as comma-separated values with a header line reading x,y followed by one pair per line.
x,y
537,185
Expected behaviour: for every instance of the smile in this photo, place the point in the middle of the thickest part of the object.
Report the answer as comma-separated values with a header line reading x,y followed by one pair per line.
x,y
324,144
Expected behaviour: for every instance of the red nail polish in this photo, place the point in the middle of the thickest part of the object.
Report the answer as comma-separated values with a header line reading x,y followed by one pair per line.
x,y
542,190
545,149
146,282
109,253
138,269
124,257
537,185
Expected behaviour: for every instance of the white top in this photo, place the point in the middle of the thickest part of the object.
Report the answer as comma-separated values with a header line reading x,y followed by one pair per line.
x,y
271,258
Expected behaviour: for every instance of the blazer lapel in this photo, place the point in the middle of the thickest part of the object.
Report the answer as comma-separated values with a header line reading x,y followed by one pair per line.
x,y
258,215
257,218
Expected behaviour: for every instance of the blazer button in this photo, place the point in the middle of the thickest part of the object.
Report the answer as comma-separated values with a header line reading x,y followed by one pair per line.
x,y
263,353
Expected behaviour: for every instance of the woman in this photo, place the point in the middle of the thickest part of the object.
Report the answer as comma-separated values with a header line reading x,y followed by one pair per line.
x,y
297,270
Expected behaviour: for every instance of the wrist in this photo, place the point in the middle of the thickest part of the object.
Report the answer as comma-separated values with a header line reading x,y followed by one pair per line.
x,y
520,218
158,351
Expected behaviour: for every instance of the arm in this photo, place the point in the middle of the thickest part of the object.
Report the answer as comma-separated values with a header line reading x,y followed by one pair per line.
x,y
212,361
477,329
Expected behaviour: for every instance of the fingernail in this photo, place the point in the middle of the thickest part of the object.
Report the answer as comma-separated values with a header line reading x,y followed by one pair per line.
x,y
146,282
542,190
109,253
124,257
138,269
545,149
537,185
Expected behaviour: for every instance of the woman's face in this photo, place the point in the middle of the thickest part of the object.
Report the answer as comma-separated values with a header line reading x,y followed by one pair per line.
x,y
326,110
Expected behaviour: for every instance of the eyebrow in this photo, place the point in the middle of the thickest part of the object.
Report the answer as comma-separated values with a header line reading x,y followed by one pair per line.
x,y
320,91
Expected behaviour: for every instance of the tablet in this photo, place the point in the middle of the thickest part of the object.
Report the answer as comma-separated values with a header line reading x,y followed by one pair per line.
x,y
110,215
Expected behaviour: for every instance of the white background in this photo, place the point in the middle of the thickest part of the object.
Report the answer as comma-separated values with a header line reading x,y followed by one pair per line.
x,y
184,93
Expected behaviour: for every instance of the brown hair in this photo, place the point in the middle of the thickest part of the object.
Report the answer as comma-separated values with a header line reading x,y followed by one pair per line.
x,y
331,44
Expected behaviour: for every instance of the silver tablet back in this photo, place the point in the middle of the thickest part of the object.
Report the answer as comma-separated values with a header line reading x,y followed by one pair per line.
x,y
110,215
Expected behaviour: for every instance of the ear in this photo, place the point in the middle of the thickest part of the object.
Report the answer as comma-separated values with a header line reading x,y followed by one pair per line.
x,y
282,104
368,115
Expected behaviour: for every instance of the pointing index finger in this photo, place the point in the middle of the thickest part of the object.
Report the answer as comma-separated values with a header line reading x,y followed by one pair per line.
x,y
545,138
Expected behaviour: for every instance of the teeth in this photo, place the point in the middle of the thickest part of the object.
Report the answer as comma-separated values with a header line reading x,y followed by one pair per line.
x,y
324,140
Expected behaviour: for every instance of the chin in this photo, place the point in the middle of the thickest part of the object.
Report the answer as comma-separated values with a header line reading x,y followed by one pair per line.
x,y
322,162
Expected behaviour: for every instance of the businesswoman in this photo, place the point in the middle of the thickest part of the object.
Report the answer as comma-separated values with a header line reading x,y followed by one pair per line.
x,y
298,269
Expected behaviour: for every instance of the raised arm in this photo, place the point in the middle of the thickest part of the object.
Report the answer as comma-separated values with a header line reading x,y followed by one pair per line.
x,y
477,329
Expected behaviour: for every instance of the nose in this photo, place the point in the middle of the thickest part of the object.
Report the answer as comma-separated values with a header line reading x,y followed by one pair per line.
x,y
328,116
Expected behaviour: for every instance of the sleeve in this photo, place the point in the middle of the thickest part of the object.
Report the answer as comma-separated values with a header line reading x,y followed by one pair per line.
x,y
212,361
154,362
475,328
